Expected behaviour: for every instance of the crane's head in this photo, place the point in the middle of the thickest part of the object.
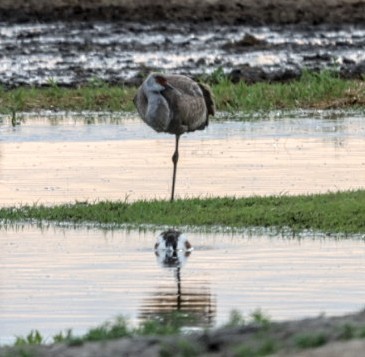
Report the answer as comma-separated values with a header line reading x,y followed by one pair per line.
x,y
156,82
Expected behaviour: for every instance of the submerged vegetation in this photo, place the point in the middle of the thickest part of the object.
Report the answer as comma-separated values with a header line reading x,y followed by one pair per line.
x,y
323,90
339,212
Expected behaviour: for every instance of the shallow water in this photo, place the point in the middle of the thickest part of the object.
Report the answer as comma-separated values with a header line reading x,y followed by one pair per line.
x,y
57,278
51,159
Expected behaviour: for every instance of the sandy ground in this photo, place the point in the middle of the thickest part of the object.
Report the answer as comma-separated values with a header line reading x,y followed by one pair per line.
x,y
222,11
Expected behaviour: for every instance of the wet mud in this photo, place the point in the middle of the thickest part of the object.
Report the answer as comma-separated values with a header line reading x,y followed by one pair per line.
x,y
72,54
224,341
219,11
72,42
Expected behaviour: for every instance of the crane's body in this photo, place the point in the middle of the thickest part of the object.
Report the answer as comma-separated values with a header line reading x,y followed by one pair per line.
x,y
174,104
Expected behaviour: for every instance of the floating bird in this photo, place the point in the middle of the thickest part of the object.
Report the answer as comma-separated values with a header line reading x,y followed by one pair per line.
x,y
174,104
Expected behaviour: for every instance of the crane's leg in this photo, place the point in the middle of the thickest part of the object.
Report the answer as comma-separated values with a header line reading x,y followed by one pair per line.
x,y
175,159
178,279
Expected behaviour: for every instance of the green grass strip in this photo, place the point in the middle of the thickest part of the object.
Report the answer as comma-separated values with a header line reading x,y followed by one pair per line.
x,y
323,90
340,212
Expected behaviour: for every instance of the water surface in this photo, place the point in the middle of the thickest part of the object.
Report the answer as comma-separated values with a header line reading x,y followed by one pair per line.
x,y
51,159
56,278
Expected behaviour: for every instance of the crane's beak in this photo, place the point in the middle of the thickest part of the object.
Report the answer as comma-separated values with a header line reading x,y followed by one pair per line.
x,y
168,86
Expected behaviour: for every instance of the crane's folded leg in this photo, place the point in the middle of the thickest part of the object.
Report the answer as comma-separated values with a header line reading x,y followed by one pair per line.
x,y
175,159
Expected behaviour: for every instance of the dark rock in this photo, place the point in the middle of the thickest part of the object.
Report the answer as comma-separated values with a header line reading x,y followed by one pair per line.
x,y
284,75
247,74
353,71
318,57
247,41
252,75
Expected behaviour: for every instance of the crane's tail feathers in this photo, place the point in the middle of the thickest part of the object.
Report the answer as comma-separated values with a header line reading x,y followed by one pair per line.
x,y
209,98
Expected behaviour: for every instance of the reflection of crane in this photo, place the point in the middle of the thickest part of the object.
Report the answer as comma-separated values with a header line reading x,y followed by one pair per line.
x,y
174,104
172,250
172,241
192,298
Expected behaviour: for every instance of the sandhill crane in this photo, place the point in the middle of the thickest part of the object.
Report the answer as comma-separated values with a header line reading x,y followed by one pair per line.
x,y
174,104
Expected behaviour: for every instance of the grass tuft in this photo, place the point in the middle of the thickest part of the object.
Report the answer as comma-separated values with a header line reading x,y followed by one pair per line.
x,y
33,338
308,340
347,332
264,348
260,319
235,319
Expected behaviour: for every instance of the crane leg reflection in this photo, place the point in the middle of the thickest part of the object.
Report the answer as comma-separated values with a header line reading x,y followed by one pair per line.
x,y
184,295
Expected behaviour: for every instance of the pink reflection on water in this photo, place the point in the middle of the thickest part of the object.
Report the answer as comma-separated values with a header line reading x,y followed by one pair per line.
x,y
49,172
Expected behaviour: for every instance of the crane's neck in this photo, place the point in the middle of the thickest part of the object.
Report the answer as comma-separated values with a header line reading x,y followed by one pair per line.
x,y
158,114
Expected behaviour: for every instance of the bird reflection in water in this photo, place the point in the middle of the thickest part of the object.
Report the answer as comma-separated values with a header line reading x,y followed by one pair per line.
x,y
172,249
191,298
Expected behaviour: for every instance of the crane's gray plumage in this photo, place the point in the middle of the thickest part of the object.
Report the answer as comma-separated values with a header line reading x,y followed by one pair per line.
x,y
174,104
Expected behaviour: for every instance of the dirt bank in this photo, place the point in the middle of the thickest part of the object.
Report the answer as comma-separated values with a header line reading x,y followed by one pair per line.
x,y
218,11
335,337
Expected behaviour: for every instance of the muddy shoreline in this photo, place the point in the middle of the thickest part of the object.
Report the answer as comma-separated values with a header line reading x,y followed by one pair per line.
x,y
333,337
70,42
123,53
236,12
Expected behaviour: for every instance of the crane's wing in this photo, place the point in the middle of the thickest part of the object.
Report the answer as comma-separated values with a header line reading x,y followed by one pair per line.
x,y
208,97
189,103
